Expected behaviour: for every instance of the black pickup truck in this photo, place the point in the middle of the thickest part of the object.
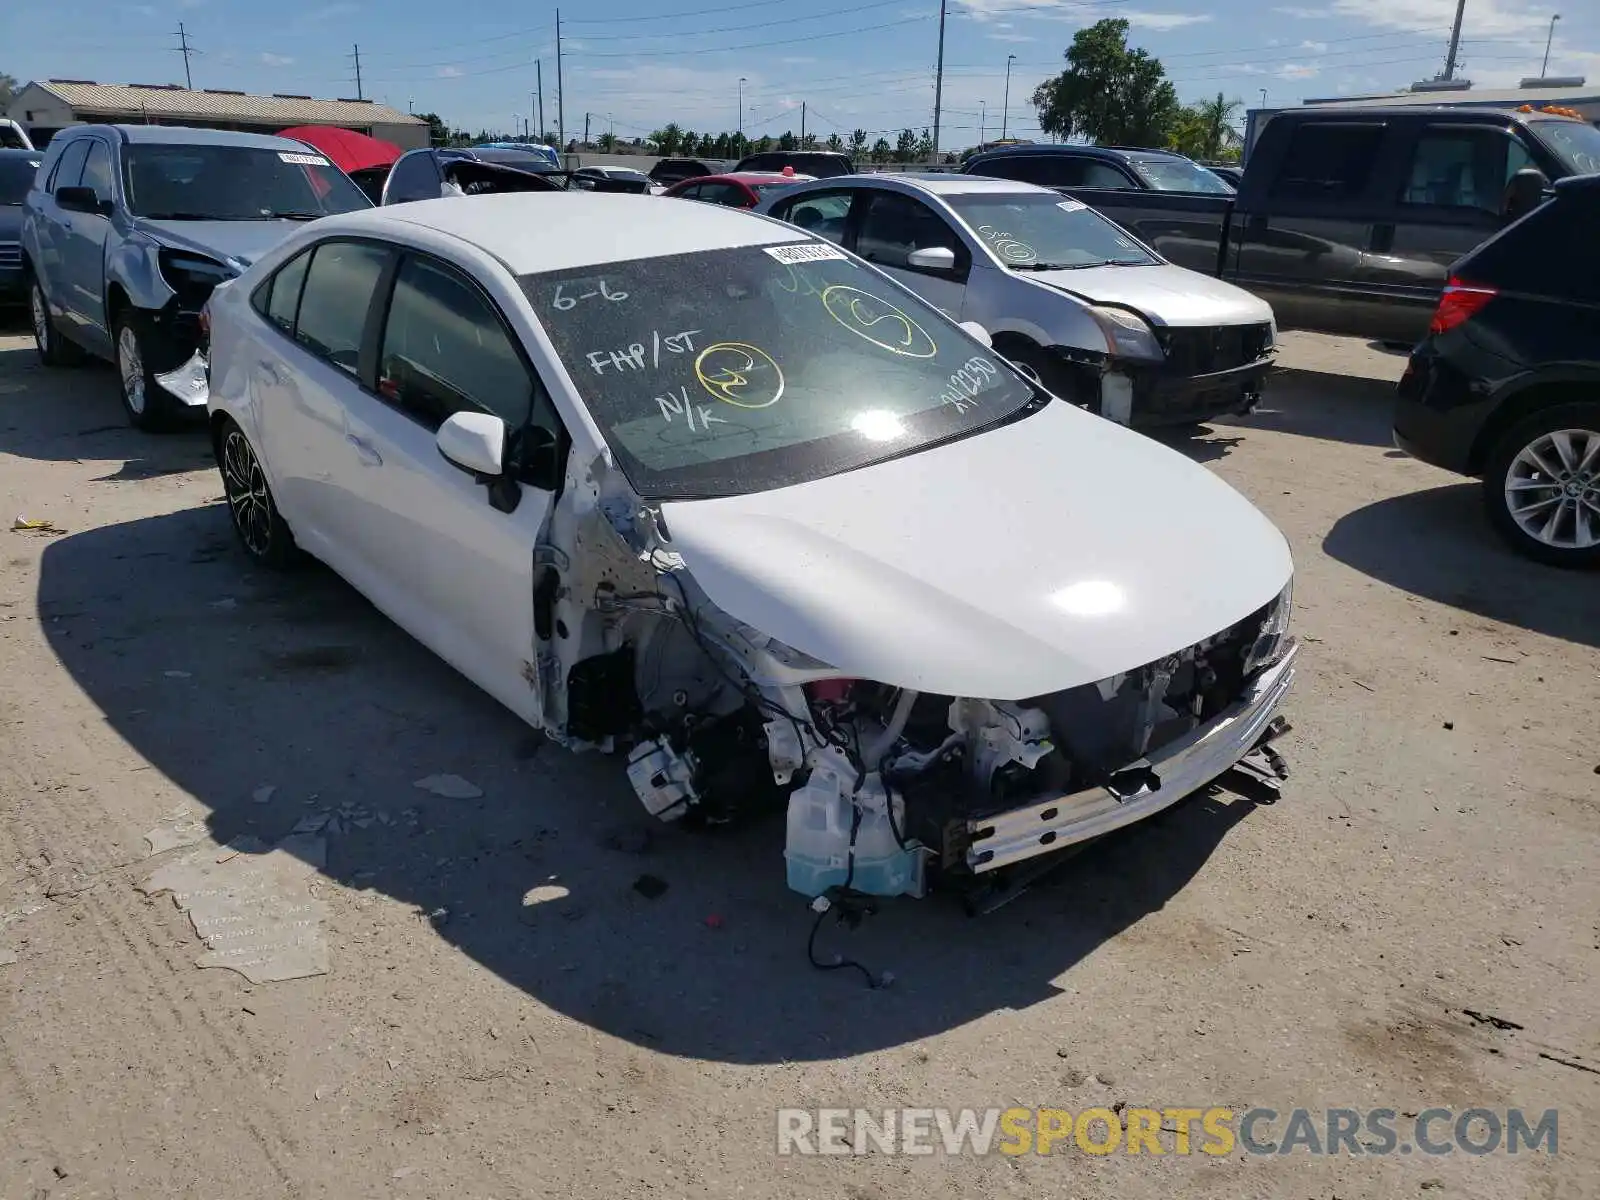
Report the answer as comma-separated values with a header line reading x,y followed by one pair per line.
x,y
1347,219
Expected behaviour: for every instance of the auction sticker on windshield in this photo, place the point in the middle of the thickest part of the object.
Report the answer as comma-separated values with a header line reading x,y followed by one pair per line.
x,y
804,252
303,160
1072,206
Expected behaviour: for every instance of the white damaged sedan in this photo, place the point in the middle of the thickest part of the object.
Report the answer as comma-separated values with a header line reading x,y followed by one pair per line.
x,y
680,481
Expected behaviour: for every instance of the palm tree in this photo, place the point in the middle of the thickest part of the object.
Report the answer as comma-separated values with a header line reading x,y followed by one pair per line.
x,y
1216,125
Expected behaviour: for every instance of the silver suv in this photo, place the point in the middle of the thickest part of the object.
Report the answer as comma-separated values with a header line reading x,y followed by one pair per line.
x,y
127,228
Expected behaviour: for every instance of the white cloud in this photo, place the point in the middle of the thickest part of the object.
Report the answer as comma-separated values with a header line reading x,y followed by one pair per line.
x,y
1304,14
1161,21
276,60
1011,37
1486,18
1240,69
1315,47
1295,71
448,73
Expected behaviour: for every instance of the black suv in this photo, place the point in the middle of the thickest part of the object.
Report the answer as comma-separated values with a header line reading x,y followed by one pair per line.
x,y
1506,386
819,164
1121,168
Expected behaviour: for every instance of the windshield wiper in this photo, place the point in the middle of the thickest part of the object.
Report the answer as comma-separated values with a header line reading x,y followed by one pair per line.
x,y
1050,266
181,216
292,216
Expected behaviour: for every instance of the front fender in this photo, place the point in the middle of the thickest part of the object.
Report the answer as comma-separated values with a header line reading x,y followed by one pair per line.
x,y
133,264
1003,302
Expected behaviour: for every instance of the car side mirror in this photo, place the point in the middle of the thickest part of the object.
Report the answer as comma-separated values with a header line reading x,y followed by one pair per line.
x,y
476,442
978,332
84,200
932,258
1524,193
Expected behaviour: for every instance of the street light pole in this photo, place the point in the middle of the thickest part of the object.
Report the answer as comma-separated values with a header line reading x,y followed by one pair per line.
x,y
1263,97
983,119
1005,105
741,110
1550,37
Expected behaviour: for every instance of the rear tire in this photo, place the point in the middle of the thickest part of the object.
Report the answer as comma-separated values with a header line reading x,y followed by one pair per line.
x,y
1541,484
54,350
145,401
264,534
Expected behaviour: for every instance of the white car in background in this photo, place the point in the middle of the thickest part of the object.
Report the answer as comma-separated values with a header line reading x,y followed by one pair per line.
x,y
1094,314
677,479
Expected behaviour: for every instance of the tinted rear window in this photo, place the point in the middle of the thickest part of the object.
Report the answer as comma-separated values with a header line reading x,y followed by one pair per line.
x,y
16,177
823,166
1328,161
1552,252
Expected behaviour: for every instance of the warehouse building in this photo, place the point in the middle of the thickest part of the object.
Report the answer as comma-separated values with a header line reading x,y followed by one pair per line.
x,y
47,106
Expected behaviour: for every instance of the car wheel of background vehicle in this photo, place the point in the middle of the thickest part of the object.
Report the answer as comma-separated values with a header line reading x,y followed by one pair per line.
x,y
262,531
1542,485
54,350
146,402
1042,367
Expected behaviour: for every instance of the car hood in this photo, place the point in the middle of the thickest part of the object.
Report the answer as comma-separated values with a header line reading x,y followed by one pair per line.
x,y
1166,294
238,243
1055,551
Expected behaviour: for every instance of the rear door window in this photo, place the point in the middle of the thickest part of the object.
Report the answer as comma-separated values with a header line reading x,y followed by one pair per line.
x,y
278,300
821,213
338,292
1328,161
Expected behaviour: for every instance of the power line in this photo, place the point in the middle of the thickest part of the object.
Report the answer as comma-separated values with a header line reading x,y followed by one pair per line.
x,y
185,49
815,37
680,33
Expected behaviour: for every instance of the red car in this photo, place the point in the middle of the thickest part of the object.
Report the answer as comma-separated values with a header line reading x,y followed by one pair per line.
x,y
737,189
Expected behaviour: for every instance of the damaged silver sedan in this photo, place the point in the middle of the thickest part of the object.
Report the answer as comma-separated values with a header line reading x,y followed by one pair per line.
x,y
681,483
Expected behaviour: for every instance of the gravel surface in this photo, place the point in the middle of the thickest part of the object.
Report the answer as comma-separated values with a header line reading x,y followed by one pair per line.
x,y
515,1005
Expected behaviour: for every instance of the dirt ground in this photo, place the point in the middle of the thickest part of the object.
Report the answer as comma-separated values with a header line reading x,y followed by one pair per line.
x,y
1435,852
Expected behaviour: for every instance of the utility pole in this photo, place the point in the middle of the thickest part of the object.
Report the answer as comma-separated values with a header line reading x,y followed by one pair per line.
x,y
802,122
1455,41
741,110
586,129
561,92
1005,105
357,57
983,119
185,49
538,66
1550,37
938,84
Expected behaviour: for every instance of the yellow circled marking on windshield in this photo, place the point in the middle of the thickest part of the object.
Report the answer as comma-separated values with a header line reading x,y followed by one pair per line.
x,y
732,372
876,320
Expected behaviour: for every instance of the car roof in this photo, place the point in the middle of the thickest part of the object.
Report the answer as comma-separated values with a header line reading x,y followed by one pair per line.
x,y
1113,153
183,135
935,183
533,232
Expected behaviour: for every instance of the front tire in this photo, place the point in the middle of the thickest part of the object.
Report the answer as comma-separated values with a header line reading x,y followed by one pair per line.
x,y
54,350
262,531
1039,365
1542,485
146,402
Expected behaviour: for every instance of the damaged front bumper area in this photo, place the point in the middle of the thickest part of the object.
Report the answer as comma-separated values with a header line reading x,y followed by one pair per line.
x,y
1139,790
190,383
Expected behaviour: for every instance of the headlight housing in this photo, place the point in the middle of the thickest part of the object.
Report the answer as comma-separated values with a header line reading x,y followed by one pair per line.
x,y
192,276
1273,639
1127,334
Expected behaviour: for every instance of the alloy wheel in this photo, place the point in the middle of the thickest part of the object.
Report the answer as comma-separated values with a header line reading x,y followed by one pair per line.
x,y
41,317
130,365
248,498
1552,489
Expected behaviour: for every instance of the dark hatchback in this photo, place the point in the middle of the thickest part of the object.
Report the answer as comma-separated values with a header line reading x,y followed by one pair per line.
x,y
1506,385
17,169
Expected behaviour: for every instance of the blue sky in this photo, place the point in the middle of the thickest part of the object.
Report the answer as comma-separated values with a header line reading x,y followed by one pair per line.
x,y
636,64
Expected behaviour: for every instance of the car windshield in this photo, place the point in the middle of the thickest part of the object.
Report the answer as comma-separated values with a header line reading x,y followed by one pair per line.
x,y
1041,231
16,177
1575,143
1178,175
235,183
739,370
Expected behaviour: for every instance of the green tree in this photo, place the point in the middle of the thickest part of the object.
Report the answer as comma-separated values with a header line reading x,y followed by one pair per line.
x,y
905,146
858,143
689,142
607,142
925,147
835,143
722,147
786,142
8,90
881,151
762,144
1108,93
1216,119
668,139
438,131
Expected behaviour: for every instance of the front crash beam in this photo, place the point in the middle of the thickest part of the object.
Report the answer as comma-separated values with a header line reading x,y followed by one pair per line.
x,y
1142,788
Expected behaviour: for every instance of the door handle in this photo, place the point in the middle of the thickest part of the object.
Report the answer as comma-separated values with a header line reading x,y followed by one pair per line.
x,y
365,451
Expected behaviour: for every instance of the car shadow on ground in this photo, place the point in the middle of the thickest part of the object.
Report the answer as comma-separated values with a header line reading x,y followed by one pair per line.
x,y
62,414
1439,544
1334,408
227,680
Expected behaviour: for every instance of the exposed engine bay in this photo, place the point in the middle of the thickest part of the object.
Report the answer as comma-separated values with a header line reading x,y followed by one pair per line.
x,y
888,791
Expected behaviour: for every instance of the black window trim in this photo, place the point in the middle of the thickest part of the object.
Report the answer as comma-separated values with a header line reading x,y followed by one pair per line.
x,y
1366,203
378,321
112,158
55,170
